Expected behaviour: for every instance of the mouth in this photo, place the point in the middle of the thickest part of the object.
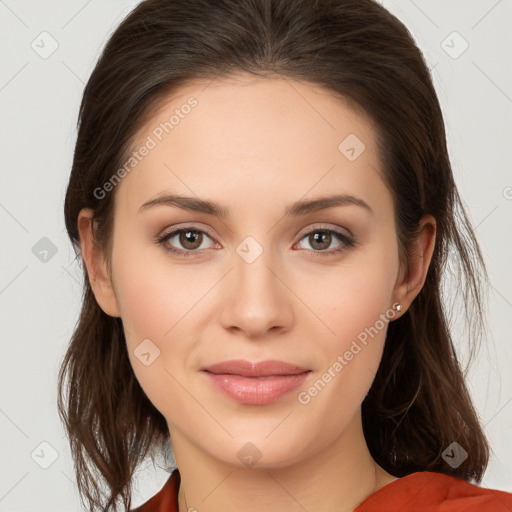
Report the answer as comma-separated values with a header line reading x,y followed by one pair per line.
x,y
258,383
243,368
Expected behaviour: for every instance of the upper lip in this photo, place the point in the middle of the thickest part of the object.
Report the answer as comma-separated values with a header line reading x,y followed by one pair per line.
x,y
255,369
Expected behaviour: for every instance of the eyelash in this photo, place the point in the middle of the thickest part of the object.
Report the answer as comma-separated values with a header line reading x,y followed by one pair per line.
x,y
347,241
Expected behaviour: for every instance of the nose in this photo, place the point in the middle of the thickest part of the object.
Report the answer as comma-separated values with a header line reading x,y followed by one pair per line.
x,y
256,300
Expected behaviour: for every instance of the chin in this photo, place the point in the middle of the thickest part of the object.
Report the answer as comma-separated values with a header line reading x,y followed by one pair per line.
x,y
259,452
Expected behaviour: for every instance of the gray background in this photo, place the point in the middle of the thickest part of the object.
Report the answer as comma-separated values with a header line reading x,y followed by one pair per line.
x,y
39,300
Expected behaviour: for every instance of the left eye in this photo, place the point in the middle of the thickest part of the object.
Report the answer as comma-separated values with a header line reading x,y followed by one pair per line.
x,y
321,239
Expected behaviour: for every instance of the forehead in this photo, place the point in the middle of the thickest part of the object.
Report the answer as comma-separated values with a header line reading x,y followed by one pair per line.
x,y
251,135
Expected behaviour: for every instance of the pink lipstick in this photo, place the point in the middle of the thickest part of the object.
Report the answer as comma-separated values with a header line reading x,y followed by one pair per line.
x,y
257,383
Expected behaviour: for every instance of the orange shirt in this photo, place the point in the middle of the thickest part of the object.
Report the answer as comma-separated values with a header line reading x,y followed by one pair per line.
x,y
424,491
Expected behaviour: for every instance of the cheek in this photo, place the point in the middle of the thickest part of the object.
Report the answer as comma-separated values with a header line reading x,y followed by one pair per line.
x,y
153,295
354,298
152,310
161,303
349,353
142,303
355,307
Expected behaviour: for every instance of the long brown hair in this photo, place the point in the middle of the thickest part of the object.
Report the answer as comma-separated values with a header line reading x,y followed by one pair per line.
x,y
419,403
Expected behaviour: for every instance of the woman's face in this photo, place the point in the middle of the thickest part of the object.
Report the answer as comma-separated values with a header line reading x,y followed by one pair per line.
x,y
254,285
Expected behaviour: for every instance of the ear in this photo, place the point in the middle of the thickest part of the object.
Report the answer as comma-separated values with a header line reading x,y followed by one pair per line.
x,y
411,281
96,266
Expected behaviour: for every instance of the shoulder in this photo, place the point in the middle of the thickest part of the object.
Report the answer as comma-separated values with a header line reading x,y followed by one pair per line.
x,y
436,492
166,500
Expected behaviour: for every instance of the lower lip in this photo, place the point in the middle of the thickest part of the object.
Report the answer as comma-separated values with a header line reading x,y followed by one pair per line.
x,y
256,390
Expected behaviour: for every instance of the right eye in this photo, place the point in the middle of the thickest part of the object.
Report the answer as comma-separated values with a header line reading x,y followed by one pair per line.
x,y
190,238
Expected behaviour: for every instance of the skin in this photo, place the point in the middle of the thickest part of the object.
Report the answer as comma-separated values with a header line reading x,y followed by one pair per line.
x,y
255,145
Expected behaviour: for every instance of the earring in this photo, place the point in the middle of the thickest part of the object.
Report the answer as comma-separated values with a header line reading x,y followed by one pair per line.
x,y
398,307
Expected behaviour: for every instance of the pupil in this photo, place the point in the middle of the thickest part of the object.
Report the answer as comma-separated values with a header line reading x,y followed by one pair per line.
x,y
186,242
318,237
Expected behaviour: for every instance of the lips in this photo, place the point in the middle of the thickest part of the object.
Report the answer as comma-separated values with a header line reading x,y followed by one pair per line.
x,y
255,369
259,383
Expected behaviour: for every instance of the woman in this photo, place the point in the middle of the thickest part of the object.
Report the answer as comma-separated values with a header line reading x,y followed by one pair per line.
x,y
263,201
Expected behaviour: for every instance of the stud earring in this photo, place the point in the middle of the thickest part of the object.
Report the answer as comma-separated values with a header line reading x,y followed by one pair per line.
x,y
398,307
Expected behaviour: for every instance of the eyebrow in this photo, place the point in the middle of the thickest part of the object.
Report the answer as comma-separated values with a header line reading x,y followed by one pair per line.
x,y
295,209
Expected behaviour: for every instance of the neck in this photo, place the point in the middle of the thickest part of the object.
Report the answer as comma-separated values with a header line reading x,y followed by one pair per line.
x,y
336,479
